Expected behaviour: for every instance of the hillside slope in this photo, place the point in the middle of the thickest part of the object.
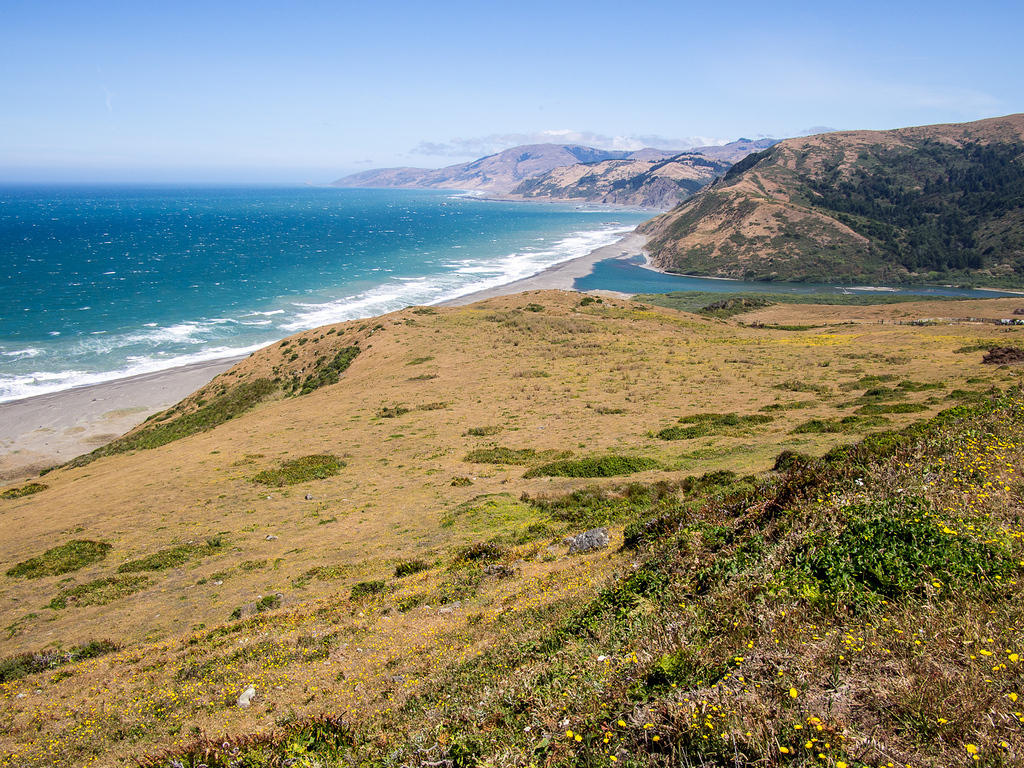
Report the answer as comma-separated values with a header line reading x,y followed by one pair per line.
x,y
368,519
935,203
657,183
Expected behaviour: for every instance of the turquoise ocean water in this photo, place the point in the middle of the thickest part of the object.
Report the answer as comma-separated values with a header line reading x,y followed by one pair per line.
x,y
101,283
105,282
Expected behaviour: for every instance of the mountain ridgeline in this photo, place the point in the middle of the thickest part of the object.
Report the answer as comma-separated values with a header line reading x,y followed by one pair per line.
x,y
657,183
655,178
942,203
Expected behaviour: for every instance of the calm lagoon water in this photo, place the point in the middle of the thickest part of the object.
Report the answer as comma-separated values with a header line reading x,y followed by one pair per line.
x,y
629,276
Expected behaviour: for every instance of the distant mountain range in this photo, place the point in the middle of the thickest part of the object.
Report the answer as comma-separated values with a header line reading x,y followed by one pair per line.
x,y
654,177
657,183
939,203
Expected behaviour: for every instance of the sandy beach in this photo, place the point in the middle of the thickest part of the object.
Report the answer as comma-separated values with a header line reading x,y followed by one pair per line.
x,y
38,432
41,431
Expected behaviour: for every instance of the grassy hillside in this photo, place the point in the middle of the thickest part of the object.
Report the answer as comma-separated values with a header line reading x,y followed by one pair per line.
x,y
421,605
931,204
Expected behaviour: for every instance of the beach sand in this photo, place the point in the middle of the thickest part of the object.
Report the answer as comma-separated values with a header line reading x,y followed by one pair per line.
x,y
38,432
44,430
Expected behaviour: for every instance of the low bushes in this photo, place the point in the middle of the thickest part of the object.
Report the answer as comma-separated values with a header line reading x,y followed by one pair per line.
x,y
611,465
25,490
99,592
331,372
703,424
171,557
367,588
409,567
63,559
19,665
301,470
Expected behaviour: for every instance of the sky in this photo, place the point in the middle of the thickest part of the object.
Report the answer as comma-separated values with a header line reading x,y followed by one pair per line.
x,y
305,91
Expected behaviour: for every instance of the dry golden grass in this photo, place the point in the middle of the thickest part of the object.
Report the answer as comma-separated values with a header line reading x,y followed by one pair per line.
x,y
591,380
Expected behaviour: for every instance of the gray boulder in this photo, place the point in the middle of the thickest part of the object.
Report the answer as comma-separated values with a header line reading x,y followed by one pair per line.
x,y
595,538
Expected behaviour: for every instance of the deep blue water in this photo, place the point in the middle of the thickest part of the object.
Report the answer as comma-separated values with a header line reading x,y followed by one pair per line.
x,y
628,276
105,282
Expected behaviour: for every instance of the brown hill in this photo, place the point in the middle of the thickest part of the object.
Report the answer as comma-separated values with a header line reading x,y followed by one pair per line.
x,y
936,203
347,532
659,183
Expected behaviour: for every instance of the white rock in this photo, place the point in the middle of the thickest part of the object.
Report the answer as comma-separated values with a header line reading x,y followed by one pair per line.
x,y
247,696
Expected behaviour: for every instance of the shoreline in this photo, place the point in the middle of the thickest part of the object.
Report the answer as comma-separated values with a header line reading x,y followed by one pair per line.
x,y
46,429
560,276
42,430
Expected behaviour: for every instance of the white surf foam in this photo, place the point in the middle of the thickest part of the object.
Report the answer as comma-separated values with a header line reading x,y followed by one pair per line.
x,y
20,386
466,276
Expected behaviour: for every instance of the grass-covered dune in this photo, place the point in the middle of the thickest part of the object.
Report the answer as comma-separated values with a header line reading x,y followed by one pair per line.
x,y
381,556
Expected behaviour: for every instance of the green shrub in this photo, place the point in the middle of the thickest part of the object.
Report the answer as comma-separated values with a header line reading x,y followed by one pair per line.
x,y
19,665
63,559
893,548
531,307
872,409
734,306
268,603
482,431
835,426
593,505
703,424
301,470
366,588
331,372
594,466
483,550
460,482
683,669
792,406
501,455
409,567
392,411
25,490
171,557
99,592
788,460
652,528
914,386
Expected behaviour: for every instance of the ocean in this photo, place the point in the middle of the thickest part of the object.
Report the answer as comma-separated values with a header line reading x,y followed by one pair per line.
x,y
106,282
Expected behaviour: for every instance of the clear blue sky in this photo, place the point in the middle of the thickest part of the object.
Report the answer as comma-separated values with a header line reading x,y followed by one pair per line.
x,y
307,91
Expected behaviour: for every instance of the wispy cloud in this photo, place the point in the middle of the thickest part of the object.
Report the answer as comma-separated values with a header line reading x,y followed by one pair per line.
x,y
485,145
108,98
